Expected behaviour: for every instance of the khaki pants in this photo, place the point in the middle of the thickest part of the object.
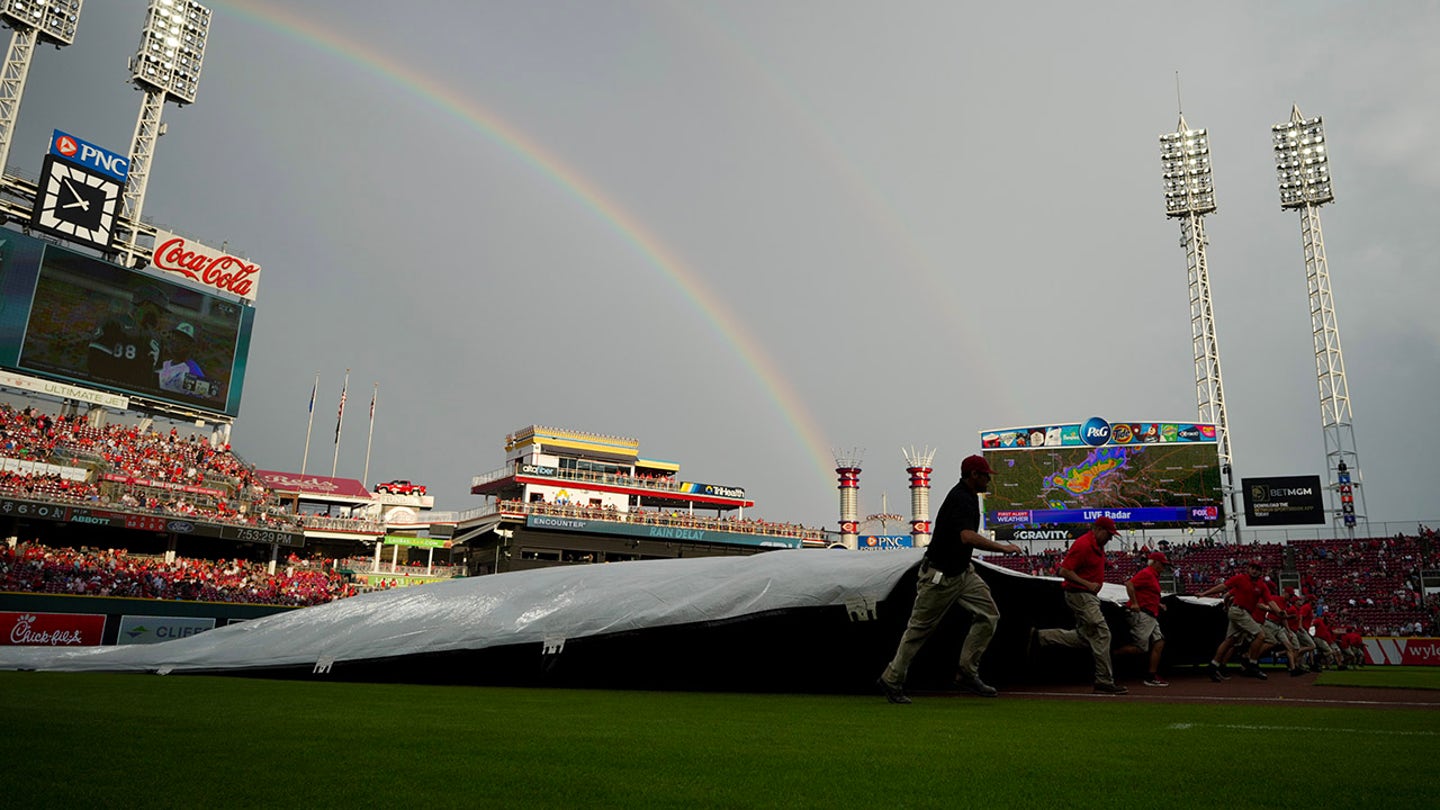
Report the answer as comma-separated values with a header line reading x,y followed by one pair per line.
x,y
1144,629
932,600
1243,627
1090,631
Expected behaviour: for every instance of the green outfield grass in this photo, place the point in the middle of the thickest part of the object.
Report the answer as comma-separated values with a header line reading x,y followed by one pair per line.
x,y
86,740
1397,677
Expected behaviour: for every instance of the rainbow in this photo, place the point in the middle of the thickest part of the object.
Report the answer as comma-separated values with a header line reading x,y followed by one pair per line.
x,y
692,288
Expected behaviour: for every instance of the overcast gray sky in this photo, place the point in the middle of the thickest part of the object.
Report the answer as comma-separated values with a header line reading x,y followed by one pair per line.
x,y
749,233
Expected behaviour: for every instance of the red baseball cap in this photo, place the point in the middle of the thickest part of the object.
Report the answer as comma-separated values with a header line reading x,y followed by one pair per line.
x,y
975,464
1107,524
1159,556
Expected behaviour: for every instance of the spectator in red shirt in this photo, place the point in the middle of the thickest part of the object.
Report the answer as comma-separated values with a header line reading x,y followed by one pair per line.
x,y
1083,570
1144,616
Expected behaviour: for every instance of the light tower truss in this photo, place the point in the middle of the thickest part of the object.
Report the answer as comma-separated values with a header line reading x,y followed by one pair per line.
x,y
31,22
1302,166
167,67
1189,196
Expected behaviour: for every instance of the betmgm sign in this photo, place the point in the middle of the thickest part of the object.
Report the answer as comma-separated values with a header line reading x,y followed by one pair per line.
x,y
1283,501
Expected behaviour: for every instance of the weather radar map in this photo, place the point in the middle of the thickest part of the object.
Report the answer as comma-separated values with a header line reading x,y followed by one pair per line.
x,y
1152,473
1105,477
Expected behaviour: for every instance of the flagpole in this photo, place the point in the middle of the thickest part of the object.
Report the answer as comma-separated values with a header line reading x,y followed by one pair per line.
x,y
373,396
339,422
313,391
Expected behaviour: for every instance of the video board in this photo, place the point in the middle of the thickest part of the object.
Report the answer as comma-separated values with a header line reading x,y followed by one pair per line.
x,y
1160,474
77,318
1289,500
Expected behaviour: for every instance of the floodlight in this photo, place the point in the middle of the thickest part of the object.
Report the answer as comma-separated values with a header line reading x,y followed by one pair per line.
x,y
1302,165
172,48
1189,183
52,20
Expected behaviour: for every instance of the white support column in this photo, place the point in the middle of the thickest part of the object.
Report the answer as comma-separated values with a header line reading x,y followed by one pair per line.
x,y
920,471
847,469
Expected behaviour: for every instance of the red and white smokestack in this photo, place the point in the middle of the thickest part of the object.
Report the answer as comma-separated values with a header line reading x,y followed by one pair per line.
x,y
920,471
847,468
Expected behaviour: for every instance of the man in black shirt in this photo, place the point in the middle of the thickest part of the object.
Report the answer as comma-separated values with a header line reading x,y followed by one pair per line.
x,y
947,577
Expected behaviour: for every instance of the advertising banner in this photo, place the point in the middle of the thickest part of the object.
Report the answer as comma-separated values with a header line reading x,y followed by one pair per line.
x,y
155,629
1414,651
649,532
111,164
313,484
289,536
715,490
416,542
10,379
1283,501
51,629
884,542
202,264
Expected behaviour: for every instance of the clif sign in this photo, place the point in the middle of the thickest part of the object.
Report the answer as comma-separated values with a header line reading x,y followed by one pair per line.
x,y
213,268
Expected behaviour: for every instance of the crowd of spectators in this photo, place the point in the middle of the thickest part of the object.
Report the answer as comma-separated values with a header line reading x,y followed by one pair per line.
x,y
132,467
1371,584
659,517
34,568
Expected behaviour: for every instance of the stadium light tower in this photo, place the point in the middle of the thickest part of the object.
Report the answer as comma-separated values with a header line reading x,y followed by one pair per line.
x,y
30,21
1302,167
1189,196
167,66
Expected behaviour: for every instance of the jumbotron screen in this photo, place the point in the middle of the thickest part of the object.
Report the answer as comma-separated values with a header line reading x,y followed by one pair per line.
x,y
76,318
1151,473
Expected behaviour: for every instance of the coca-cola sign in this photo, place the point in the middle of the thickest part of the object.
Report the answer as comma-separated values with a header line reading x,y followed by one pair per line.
x,y
51,629
213,268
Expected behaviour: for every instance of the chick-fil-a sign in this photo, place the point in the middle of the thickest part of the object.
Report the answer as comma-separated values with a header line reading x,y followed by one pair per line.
x,y
213,268
30,629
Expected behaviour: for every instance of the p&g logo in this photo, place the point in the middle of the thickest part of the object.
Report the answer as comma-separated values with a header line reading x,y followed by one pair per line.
x,y
1095,432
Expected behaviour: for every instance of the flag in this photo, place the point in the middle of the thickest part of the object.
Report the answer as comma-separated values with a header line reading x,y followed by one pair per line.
x,y
313,392
372,404
341,417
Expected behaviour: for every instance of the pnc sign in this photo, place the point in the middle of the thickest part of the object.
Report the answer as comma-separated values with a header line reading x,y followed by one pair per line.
x,y
90,156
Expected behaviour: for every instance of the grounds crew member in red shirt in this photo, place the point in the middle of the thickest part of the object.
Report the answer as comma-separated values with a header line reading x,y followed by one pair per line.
x,y
1325,640
946,578
1083,570
1354,647
1144,616
1244,591
1297,623
1277,634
